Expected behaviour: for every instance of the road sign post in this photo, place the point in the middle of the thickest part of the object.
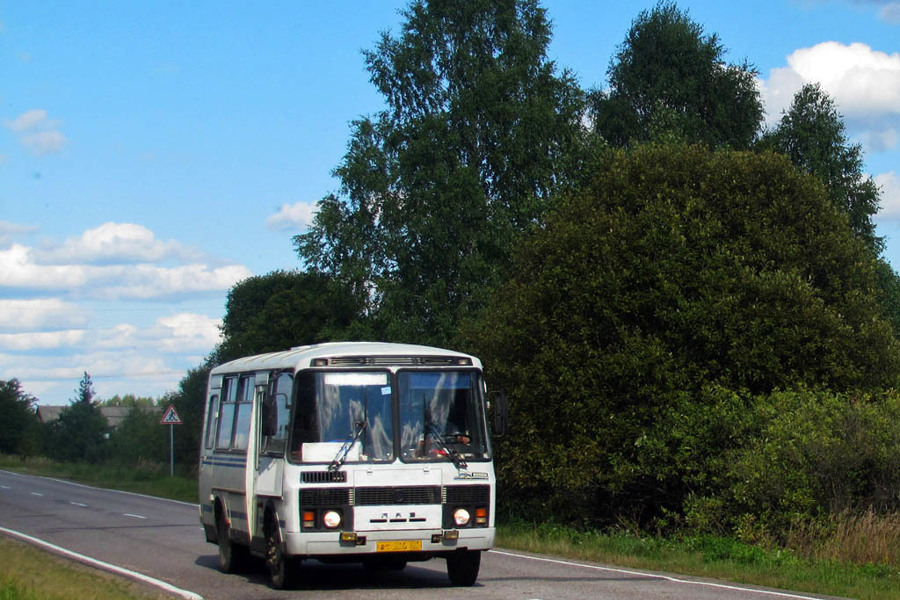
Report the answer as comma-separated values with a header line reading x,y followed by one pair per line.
x,y
171,418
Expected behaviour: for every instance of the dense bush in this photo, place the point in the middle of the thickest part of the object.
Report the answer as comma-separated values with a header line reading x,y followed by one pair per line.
x,y
141,439
816,454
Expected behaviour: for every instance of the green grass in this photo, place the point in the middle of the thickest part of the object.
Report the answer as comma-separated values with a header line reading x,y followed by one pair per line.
x,y
711,557
27,573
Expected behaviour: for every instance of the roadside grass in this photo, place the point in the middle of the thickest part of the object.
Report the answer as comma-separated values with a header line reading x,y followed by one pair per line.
x,y
711,557
145,478
855,558
27,573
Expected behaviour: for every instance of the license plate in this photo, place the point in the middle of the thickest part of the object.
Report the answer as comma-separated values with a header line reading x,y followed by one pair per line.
x,y
400,546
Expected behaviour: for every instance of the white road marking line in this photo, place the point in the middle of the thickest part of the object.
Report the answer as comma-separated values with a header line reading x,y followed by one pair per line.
x,y
36,494
91,487
188,595
654,576
134,516
78,504
5,487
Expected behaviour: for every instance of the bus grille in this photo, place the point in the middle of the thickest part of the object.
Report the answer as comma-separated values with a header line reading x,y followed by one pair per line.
x,y
324,497
387,496
323,476
467,494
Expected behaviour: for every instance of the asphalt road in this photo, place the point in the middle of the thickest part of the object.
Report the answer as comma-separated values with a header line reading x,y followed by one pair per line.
x,y
163,539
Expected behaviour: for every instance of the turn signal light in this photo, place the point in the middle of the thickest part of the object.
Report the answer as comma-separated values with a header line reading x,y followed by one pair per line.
x,y
309,519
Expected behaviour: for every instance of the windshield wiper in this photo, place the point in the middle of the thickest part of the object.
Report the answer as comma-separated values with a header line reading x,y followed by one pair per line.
x,y
454,455
341,457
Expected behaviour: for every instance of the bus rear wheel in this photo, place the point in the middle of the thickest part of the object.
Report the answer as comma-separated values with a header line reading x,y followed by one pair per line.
x,y
463,566
282,569
232,557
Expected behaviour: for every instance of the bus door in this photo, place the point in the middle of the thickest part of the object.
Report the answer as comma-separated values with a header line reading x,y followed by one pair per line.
x,y
265,474
251,473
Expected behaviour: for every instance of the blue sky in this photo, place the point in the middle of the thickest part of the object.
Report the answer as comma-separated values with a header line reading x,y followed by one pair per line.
x,y
152,154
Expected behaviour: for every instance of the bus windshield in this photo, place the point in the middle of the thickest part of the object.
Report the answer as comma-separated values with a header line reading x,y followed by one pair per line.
x,y
334,408
441,416
349,416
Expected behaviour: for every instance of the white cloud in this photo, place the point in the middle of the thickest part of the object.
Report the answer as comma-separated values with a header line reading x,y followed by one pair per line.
x,y
148,281
116,243
292,216
10,231
42,340
18,269
880,141
865,83
189,332
890,196
41,314
57,317
29,120
23,267
37,132
890,13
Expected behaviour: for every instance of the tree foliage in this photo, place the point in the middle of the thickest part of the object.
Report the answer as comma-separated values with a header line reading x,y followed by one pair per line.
x,y
658,299
18,420
811,133
669,80
141,439
284,309
478,130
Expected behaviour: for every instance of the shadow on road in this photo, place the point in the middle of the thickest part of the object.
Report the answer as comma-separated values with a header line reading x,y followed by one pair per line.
x,y
323,577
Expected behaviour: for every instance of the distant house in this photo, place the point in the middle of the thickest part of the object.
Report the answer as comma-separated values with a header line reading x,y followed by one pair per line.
x,y
47,414
114,415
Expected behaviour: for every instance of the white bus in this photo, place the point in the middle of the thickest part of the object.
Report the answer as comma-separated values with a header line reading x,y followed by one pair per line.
x,y
356,451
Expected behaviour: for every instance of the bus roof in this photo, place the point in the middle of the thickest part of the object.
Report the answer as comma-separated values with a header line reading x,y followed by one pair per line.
x,y
348,354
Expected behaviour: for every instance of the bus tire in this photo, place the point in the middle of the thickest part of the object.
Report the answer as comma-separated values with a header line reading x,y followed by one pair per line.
x,y
282,569
463,566
232,557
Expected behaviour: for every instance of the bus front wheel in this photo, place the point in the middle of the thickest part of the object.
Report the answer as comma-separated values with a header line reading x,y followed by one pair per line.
x,y
282,569
463,566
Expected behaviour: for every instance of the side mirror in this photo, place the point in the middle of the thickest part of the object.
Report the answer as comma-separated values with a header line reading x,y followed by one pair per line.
x,y
498,404
269,416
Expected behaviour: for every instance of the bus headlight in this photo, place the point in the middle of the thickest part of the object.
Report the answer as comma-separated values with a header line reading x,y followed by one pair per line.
x,y
461,517
332,519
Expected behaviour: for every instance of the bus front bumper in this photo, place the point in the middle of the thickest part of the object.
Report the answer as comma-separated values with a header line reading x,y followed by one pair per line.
x,y
413,545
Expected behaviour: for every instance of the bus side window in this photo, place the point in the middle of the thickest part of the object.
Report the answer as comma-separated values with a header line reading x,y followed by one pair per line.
x,y
243,411
306,428
226,413
211,420
277,414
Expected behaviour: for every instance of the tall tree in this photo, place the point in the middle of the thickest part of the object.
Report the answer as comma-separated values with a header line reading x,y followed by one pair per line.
x,y
85,391
811,133
477,132
658,296
669,80
81,432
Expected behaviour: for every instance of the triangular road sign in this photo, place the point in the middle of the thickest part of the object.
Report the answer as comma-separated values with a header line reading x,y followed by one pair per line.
x,y
170,417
